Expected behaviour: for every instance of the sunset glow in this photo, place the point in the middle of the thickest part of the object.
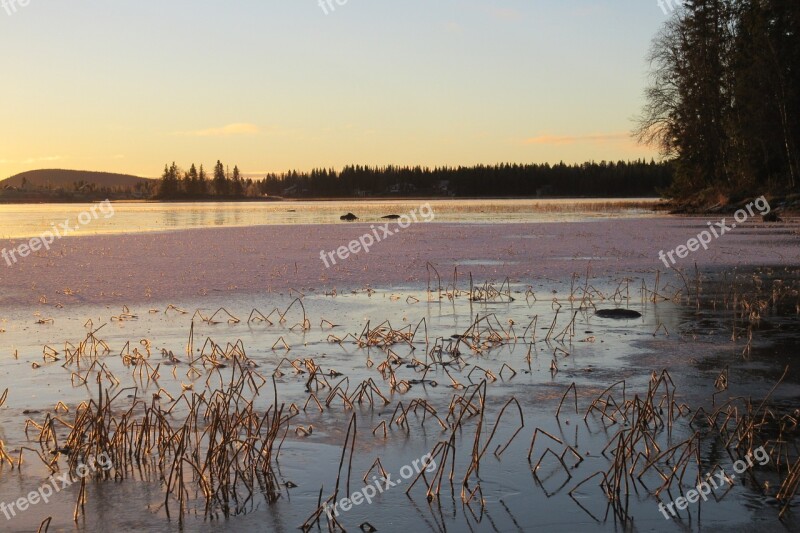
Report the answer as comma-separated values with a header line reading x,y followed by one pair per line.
x,y
128,86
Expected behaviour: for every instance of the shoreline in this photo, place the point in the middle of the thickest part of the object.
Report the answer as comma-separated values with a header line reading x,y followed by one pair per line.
x,y
645,200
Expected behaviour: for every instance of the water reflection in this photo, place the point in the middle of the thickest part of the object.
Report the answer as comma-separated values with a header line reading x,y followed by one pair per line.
x,y
23,221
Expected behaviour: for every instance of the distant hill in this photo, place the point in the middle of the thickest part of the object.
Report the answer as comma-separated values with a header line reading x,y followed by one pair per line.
x,y
65,178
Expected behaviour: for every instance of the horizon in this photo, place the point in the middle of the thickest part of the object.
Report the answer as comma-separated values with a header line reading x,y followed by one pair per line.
x,y
275,87
257,176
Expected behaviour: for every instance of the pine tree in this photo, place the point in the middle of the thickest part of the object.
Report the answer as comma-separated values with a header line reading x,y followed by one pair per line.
x,y
705,92
191,181
237,188
220,180
202,182
168,186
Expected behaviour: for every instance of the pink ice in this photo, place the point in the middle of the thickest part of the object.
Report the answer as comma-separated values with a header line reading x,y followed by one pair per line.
x,y
171,266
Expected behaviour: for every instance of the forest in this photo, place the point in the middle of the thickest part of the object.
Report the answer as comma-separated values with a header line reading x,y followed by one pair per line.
x,y
195,184
723,102
589,179
603,179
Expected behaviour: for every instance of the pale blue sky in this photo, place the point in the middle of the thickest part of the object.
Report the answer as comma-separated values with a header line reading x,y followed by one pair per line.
x,y
126,85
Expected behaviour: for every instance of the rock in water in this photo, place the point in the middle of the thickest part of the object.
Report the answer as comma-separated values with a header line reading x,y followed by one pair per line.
x,y
619,314
348,216
391,217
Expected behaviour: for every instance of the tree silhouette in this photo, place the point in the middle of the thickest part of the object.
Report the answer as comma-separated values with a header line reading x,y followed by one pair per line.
x,y
724,96
220,180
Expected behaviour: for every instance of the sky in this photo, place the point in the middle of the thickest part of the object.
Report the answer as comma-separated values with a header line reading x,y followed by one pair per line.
x,y
272,85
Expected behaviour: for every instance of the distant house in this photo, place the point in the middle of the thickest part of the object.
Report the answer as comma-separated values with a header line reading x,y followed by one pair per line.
x,y
402,188
294,190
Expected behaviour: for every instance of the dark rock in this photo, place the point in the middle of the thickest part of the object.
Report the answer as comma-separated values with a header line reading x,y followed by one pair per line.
x,y
619,314
392,217
348,216
772,216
